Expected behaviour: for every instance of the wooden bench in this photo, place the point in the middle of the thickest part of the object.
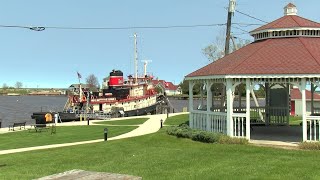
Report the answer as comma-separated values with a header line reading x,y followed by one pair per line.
x,y
21,124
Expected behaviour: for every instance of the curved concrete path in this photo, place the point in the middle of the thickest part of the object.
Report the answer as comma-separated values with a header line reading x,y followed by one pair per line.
x,y
150,126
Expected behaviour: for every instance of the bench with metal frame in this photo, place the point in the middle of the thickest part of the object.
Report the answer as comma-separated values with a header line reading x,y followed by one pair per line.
x,y
20,124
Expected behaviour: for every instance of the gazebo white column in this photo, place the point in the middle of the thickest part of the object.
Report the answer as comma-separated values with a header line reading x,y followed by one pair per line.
x,y
209,104
229,107
248,90
304,110
191,84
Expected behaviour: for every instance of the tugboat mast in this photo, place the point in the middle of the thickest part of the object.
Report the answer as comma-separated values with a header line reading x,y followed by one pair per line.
x,y
135,58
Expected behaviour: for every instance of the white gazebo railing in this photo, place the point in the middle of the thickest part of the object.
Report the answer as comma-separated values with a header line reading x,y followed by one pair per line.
x,y
239,124
199,120
313,128
277,115
216,121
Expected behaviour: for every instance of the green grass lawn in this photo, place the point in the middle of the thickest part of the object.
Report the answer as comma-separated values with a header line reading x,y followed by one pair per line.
x,y
177,120
160,156
136,121
64,135
295,120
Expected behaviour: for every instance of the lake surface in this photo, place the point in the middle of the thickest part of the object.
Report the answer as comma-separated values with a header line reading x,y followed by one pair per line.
x,y
20,108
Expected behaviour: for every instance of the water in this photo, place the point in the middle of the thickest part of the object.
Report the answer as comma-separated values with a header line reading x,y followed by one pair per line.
x,y
20,108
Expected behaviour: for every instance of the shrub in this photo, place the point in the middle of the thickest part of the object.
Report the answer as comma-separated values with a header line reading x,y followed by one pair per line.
x,y
206,137
224,139
184,131
310,145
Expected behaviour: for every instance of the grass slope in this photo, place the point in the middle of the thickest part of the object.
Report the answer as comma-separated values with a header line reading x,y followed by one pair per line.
x,y
160,156
64,135
177,120
136,121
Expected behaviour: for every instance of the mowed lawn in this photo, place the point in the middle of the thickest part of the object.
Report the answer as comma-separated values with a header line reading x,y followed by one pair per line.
x,y
136,121
160,156
177,120
64,134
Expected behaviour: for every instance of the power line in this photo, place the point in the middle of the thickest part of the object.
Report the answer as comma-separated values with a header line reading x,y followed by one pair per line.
x,y
241,29
251,16
247,24
37,28
41,28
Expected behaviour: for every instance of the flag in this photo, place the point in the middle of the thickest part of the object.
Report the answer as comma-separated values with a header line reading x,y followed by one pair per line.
x,y
79,75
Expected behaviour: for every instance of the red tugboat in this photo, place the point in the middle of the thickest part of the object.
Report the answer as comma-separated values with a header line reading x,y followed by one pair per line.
x,y
132,97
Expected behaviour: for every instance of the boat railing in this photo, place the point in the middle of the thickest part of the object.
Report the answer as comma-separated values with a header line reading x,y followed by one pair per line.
x,y
93,115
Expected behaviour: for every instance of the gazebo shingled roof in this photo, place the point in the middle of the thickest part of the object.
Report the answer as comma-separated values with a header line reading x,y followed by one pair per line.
x,y
289,22
270,56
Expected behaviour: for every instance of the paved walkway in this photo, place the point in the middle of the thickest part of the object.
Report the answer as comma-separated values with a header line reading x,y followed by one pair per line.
x,y
150,126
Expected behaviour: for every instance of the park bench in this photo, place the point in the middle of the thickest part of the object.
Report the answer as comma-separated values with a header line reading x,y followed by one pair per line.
x,y
20,124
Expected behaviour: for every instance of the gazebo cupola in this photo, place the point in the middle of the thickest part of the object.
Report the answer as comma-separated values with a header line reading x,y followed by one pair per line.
x,y
290,9
290,25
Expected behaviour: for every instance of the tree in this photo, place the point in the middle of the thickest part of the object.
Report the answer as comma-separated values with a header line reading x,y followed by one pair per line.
x,y
18,85
4,86
159,89
215,50
184,85
92,80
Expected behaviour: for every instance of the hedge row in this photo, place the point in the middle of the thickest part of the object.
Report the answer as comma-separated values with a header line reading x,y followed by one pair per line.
x,y
184,131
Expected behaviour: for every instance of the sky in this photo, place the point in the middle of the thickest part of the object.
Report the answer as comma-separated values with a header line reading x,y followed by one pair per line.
x,y
51,58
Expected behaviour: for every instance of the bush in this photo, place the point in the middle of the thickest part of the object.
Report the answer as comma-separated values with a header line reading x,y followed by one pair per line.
x,y
310,145
224,139
184,131
206,137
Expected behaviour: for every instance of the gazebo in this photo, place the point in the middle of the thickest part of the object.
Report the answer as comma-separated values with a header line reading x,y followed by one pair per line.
x,y
285,53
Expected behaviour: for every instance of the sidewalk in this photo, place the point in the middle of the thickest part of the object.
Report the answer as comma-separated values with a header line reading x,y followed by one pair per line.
x,y
150,126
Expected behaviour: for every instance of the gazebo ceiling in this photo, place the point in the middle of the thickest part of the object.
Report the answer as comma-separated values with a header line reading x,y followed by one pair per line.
x,y
276,51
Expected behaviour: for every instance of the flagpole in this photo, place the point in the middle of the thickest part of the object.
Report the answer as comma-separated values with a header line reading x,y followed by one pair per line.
x,y
80,92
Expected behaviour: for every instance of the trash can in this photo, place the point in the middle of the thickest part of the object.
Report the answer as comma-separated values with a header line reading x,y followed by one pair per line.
x,y
105,134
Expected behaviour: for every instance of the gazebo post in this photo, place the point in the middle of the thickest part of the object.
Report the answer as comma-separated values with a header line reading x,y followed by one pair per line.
x,y
288,104
312,98
248,88
303,106
209,104
229,108
191,84
267,103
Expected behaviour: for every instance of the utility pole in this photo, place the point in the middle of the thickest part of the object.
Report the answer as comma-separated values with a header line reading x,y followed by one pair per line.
x,y
232,5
